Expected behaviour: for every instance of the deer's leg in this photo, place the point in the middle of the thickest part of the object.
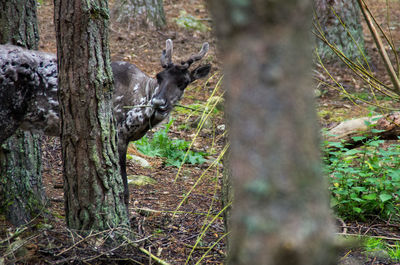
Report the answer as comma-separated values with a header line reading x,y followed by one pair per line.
x,y
123,147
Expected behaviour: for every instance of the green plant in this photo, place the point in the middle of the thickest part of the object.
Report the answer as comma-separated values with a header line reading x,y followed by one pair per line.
x,y
394,251
373,244
363,181
173,150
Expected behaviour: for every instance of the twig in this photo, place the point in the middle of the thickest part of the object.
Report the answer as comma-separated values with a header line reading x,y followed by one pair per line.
x,y
105,252
195,247
380,237
17,233
343,225
82,240
160,261
24,241
189,108
381,48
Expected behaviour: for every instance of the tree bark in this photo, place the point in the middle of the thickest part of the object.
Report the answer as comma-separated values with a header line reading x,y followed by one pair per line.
x,y
280,212
21,191
146,13
349,12
93,187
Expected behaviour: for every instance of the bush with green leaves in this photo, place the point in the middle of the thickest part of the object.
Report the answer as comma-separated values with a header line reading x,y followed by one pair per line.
x,y
173,150
364,181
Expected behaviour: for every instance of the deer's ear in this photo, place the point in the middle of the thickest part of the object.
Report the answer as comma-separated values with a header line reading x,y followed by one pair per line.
x,y
200,72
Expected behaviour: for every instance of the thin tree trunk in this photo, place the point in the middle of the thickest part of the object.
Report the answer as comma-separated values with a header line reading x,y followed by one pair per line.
x,y
21,191
280,213
93,188
144,13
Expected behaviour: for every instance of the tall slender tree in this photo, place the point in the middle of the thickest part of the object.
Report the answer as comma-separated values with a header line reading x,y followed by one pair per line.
x,y
280,211
93,187
21,191
147,13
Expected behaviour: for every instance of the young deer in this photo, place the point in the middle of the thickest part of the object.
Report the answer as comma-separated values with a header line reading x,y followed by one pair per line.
x,y
28,94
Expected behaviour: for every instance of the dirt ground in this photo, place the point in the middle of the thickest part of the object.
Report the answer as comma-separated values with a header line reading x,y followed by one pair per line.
x,y
172,237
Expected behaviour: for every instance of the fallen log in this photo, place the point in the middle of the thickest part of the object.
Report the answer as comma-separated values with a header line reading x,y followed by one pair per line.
x,y
387,127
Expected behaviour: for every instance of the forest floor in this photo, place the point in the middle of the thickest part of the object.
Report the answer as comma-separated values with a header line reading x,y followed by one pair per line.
x,y
170,237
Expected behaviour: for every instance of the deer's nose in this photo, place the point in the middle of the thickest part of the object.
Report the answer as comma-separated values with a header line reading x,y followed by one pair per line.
x,y
159,103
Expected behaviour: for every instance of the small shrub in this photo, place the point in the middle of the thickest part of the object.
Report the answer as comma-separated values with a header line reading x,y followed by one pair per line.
x,y
173,150
363,181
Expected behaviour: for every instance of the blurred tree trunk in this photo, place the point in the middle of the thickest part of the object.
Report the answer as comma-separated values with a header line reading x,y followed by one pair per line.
x,y
143,13
93,188
21,191
349,12
226,195
280,212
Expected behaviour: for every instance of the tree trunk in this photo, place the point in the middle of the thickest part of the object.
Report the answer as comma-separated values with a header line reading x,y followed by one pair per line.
x,y
226,196
349,12
93,189
146,13
21,191
280,213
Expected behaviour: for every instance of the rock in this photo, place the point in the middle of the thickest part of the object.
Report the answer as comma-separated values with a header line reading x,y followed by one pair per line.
x,y
207,125
139,161
219,101
221,127
140,180
350,261
17,249
379,254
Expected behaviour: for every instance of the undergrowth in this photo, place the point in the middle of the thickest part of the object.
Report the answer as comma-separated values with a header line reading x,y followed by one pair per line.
x,y
364,181
173,150
372,245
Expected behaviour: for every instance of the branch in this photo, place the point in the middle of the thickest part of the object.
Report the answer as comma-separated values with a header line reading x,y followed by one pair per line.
x,y
381,48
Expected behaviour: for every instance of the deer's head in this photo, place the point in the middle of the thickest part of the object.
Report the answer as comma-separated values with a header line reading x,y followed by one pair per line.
x,y
173,80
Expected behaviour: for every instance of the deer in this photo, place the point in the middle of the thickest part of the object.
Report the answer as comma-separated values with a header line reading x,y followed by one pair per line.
x,y
29,95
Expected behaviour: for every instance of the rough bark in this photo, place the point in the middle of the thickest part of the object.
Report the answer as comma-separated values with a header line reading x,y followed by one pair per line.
x,y
226,196
93,189
21,191
146,13
280,212
349,12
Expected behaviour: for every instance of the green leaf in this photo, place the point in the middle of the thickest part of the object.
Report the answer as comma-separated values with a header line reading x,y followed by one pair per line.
x,y
370,197
336,144
376,131
358,138
334,202
385,197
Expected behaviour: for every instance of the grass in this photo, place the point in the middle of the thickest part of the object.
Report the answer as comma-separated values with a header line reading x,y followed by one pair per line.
x,y
372,245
